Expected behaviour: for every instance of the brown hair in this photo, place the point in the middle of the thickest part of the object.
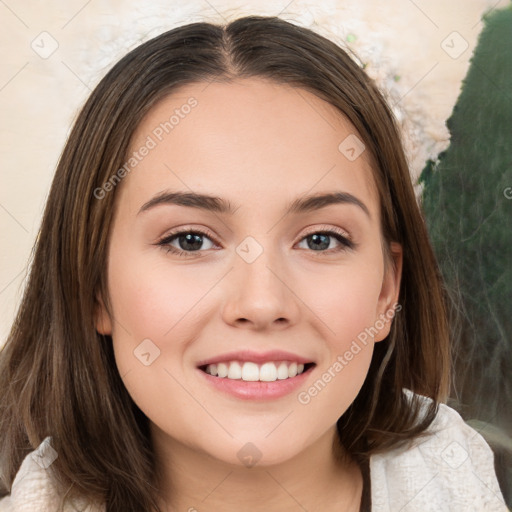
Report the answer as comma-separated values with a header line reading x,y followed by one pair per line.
x,y
58,375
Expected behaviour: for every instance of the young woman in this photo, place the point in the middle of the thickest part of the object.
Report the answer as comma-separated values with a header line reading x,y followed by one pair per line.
x,y
233,303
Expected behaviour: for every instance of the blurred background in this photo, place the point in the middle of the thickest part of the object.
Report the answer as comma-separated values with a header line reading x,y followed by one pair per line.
x,y
446,70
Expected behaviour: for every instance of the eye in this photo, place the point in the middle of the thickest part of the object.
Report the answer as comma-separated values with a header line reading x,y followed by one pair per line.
x,y
318,241
189,240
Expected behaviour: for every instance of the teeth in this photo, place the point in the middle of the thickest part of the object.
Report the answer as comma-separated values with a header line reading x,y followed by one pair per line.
x,y
222,369
251,372
235,371
268,372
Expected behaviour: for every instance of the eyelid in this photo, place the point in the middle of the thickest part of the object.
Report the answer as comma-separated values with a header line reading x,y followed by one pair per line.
x,y
187,229
327,227
343,237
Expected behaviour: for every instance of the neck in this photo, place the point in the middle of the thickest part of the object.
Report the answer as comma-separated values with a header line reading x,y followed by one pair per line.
x,y
314,479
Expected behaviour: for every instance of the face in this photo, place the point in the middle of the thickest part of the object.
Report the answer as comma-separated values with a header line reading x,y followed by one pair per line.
x,y
261,275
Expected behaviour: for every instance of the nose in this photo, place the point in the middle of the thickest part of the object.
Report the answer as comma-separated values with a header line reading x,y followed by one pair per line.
x,y
260,294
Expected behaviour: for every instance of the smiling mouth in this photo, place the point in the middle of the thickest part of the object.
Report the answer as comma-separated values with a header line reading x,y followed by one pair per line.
x,y
253,372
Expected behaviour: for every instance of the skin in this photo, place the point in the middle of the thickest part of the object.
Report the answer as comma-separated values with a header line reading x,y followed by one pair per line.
x,y
260,145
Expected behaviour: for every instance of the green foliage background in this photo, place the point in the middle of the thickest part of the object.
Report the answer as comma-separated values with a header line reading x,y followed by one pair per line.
x,y
470,223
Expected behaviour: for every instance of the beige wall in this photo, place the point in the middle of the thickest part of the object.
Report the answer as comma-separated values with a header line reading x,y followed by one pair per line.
x,y
40,91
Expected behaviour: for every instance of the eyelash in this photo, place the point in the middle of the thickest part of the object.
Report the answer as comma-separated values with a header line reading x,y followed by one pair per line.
x,y
339,235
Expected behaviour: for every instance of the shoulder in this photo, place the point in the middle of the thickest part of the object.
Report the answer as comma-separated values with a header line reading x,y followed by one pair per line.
x,y
450,469
33,488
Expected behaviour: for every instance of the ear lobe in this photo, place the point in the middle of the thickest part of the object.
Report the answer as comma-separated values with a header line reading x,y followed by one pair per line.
x,y
388,298
102,320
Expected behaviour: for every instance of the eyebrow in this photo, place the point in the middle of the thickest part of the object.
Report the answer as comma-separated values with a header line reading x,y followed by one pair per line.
x,y
219,205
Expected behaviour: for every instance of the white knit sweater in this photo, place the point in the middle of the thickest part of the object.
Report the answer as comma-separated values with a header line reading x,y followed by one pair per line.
x,y
451,470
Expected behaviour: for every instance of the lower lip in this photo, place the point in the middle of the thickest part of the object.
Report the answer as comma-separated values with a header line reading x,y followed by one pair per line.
x,y
257,390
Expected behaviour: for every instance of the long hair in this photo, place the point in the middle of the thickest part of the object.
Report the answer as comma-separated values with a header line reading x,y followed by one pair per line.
x,y
58,375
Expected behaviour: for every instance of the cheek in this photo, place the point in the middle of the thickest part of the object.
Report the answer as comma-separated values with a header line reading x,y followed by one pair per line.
x,y
151,299
159,310
152,306
345,308
344,299
149,302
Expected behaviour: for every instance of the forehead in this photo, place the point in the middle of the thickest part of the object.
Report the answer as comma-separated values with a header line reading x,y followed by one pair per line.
x,y
248,136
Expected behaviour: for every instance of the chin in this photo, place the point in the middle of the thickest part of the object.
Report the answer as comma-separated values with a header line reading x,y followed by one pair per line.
x,y
255,452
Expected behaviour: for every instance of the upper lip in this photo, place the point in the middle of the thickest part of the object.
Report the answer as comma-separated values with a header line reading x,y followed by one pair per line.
x,y
256,357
